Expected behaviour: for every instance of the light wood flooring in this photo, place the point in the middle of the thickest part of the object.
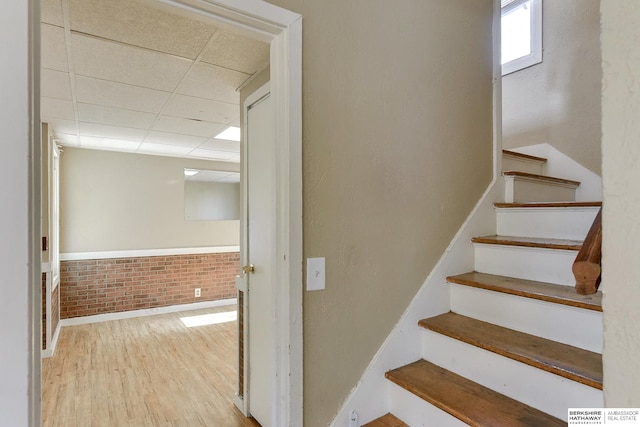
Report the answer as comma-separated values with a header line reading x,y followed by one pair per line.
x,y
148,371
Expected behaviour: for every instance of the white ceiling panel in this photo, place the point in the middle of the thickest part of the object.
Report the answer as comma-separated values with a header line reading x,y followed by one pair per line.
x,y
68,140
215,83
63,127
51,108
53,49
119,95
109,60
114,116
187,126
201,153
51,12
191,107
113,132
214,176
140,24
55,84
174,139
237,52
109,144
163,149
221,144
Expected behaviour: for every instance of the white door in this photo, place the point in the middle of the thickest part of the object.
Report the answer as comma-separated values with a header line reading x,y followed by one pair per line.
x,y
260,252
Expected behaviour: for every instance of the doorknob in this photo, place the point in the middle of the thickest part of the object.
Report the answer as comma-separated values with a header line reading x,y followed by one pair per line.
x,y
249,269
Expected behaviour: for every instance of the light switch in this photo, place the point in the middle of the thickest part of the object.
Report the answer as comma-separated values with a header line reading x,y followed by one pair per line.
x,y
315,274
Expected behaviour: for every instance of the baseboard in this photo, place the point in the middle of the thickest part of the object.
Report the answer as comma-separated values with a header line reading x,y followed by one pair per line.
x,y
402,345
145,312
49,352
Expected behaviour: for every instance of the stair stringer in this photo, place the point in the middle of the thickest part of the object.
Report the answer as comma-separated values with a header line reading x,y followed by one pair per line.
x,y
560,165
370,398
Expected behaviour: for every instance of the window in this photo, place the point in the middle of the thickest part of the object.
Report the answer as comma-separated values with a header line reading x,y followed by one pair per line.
x,y
521,28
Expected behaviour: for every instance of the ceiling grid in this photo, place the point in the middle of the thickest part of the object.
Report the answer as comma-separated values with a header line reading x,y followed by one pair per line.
x,y
126,76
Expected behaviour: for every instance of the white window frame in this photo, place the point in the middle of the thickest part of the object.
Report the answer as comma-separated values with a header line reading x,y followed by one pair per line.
x,y
535,57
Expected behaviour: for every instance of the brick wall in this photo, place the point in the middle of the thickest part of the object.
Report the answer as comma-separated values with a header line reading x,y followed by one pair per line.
x,y
100,286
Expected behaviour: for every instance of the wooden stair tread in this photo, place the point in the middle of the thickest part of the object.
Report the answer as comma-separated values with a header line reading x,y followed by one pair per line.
x,y
530,242
545,178
470,402
548,205
564,360
387,420
543,291
524,156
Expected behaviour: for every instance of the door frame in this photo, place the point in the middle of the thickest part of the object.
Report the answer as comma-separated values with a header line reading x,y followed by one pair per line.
x,y
283,30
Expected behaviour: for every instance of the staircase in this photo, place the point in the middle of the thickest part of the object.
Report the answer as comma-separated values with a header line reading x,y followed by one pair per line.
x,y
519,346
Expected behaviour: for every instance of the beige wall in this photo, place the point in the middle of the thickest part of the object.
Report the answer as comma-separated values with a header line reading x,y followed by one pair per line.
x,y
621,178
558,101
45,178
118,201
397,149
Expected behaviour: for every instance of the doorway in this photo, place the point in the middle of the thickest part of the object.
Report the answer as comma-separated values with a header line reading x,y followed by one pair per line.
x,y
285,55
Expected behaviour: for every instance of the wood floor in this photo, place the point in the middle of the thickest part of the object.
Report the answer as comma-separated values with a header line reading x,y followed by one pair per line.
x,y
149,371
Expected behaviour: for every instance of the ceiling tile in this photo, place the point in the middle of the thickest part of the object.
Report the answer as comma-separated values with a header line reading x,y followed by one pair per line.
x,y
140,24
202,153
190,107
51,108
214,176
53,50
51,12
114,116
55,84
109,144
215,83
119,95
187,126
68,140
173,139
237,52
114,132
163,149
109,60
63,127
221,144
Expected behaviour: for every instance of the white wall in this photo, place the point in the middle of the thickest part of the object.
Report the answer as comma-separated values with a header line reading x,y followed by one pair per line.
x,y
113,201
558,101
15,336
621,209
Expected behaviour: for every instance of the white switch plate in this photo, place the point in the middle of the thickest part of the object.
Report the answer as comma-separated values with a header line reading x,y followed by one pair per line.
x,y
315,274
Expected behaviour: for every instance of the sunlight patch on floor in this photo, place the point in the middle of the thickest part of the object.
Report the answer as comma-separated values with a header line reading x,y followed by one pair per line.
x,y
209,319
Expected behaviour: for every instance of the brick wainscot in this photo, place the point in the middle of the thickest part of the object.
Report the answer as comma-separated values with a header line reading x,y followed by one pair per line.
x,y
99,286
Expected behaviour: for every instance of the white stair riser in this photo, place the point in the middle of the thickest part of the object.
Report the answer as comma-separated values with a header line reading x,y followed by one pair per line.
x,y
518,190
569,325
557,223
542,390
415,411
543,265
523,165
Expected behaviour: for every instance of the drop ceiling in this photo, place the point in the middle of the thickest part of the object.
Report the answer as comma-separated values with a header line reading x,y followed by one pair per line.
x,y
132,76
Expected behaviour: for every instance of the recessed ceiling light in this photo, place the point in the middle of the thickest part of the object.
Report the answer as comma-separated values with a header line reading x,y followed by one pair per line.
x,y
232,133
190,172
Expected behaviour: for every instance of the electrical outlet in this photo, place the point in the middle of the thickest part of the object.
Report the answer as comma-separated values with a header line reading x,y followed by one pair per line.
x,y
198,293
